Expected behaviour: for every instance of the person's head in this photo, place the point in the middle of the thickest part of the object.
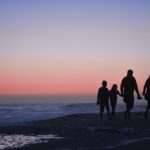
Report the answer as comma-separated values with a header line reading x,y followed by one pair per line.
x,y
114,87
130,73
104,83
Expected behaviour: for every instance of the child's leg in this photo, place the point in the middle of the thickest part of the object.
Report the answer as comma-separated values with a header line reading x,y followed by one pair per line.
x,y
101,110
113,110
108,110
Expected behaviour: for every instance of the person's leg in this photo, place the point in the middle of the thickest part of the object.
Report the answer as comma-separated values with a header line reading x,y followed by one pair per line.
x,y
101,111
111,104
130,106
147,108
125,112
148,105
108,110
113,110
125,100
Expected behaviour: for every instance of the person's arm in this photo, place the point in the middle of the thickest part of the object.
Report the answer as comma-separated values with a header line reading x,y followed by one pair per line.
x,y
98,100
144,89
119,93
108,92
122,87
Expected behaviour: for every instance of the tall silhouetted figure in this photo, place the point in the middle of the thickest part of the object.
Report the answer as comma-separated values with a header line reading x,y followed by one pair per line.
x,y
146,93
113,99
128,86
103,99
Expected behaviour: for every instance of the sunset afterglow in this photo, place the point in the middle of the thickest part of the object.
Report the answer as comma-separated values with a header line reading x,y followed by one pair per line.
x,y
69,47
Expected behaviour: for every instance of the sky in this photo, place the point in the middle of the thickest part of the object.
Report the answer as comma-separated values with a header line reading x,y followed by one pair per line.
x,y
50,47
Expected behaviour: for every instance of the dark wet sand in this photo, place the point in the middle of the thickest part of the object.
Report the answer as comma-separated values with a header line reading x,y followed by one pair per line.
x,y
88,132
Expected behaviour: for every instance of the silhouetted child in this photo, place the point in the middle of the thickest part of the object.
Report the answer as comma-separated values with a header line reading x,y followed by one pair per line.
x,y
113,99
103,99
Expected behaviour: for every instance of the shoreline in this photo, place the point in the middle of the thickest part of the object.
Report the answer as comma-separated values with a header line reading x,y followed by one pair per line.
x,y
24,113
85,132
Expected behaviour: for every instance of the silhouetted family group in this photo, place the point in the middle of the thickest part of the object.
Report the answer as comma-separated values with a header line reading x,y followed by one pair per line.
x,y
127,88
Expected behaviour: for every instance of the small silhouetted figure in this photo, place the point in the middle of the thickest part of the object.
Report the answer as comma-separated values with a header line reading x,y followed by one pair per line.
x,y
113,99
128,86
103,99
146,93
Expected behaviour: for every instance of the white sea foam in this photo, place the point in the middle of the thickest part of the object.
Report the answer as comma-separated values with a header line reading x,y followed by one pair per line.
x,y
15,141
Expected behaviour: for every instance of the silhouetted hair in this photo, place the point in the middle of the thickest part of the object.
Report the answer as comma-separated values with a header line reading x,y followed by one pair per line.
x,y
114,87
104,83
130,72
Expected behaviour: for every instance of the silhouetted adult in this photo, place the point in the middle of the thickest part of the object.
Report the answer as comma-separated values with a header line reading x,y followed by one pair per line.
x,y
146,93
128,86
103,99
113,99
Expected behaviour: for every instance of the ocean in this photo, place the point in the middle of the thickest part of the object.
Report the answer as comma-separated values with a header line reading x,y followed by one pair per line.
x,y
24,109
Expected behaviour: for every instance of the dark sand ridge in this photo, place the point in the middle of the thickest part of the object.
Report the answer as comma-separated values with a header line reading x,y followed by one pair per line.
x,y
88,132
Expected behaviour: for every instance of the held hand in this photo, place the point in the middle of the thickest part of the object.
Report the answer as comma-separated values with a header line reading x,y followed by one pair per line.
x,y
121,95
139,97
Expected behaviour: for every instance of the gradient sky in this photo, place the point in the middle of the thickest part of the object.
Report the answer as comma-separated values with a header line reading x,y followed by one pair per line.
x,y
70,46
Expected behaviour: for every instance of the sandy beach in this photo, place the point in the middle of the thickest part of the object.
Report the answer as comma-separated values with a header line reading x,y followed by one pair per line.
x,y
86,132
